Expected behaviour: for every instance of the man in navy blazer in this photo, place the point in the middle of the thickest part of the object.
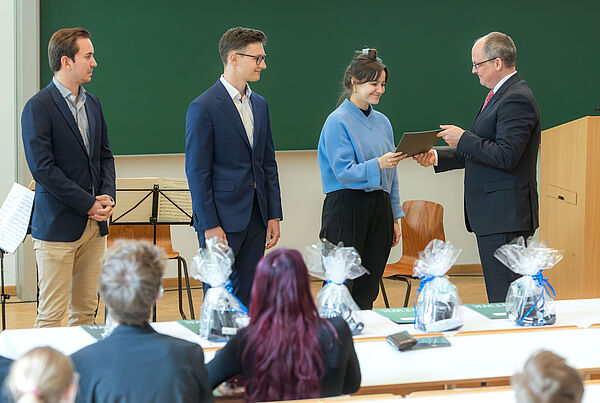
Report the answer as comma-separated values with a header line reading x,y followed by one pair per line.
x,y
67,150
134,363
499,155
230,159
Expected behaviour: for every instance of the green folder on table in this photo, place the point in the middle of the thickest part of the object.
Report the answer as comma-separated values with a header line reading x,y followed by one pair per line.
x,y
401,316
193,325
490,311
94,330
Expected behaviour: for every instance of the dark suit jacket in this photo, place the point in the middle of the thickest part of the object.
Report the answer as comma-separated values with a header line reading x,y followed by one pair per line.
x,y
5,364
67,179
137,364
341,373
223,171
499,155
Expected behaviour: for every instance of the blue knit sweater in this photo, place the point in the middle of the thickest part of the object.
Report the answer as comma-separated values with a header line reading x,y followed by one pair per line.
x,y
349,147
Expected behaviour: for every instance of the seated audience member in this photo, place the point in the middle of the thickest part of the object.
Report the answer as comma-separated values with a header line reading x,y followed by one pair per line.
x,y
42,375
135,363
287,351
546,378
5,364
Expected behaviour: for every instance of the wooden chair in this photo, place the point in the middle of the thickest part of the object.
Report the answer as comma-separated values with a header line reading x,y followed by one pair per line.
x,y
423,222
163,240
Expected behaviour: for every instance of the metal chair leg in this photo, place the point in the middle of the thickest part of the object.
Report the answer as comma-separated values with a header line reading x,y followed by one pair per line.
x,y
179,289
408,288
186,277
385,298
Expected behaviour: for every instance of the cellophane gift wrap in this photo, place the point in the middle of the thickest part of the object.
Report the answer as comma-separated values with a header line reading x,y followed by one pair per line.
x,y
222,314
530,299
335,264
438,303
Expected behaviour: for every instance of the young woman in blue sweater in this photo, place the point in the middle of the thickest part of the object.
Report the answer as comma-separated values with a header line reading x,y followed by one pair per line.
x,y
358,170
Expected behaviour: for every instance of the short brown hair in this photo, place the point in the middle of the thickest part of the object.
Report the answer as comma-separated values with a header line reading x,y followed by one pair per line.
x,y
497,44
365,67
130,280
546,378
237,39
64,43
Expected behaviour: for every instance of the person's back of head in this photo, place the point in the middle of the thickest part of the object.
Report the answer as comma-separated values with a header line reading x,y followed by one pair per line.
x,y
282,344
130,280
547,378
42,375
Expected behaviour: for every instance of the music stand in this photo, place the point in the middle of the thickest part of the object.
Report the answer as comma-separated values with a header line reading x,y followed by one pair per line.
x,y
15,214
147,201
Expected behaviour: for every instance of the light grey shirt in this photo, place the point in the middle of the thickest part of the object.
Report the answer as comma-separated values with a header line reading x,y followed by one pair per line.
x,y
78,110
244,107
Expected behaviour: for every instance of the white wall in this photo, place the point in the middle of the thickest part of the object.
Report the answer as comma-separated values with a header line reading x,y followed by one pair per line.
x,y
8,111
302,199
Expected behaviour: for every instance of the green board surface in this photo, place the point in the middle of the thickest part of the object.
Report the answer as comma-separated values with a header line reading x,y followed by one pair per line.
x,y
490,311
193,325
94,330
398,315
154,57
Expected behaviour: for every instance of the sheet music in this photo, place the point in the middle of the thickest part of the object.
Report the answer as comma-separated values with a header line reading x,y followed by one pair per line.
x,y
14,217
167,212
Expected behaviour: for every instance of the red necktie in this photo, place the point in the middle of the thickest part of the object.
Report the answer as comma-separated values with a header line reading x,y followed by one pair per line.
x,y
487,99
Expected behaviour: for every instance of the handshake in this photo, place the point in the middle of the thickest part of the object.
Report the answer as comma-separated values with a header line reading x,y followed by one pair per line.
x,y
451,135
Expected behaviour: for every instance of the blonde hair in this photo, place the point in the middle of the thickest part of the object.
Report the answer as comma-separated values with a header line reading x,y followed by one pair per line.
x,y
546,378
41,375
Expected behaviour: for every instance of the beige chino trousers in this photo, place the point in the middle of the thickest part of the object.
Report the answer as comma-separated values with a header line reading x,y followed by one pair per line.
x,y
68,275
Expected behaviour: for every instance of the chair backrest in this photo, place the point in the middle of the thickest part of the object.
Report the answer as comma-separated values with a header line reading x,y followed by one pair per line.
x,y
142,233
423,222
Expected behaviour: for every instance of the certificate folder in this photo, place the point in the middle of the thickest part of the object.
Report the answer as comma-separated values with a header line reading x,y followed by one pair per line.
x,y
413,143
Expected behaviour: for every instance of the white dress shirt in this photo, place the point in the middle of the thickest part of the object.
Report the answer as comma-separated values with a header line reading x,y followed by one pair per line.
x,y
244,107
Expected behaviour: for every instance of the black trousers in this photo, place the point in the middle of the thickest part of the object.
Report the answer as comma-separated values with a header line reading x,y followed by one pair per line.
x,y
496,275
248,248
365,221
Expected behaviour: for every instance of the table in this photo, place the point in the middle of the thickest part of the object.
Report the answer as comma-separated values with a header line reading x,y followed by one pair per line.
x,y
471,360
489,395
484,350
578,312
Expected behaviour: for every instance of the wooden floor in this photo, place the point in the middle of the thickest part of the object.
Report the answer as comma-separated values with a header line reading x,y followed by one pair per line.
x,y
20,315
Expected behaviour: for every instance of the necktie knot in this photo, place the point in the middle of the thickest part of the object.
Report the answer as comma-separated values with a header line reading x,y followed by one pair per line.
x,y
487,98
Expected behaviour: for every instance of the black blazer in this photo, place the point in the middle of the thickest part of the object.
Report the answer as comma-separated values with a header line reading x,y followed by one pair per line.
x,y
499,155
5,364
67,179
137,364
342,371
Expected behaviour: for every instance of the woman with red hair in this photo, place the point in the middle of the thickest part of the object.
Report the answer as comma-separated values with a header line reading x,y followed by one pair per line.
x,y
287,351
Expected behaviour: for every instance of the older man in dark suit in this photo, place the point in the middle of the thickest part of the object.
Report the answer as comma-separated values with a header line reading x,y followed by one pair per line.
x,y
67,150
499,155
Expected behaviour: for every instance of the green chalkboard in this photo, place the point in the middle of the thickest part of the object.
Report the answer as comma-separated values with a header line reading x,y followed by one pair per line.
x,y
156,56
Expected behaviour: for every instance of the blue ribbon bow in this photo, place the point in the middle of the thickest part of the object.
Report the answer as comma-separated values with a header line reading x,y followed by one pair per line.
x,y
424,281
331,281
243,308
546,288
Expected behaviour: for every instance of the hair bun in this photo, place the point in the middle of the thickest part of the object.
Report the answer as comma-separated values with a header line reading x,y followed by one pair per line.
x,y
368,52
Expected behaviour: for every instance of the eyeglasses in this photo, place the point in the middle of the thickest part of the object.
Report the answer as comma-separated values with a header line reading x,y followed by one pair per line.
x,y
259,59
476,65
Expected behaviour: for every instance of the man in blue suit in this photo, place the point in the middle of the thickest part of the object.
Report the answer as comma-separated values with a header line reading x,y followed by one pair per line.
x,y
499,156
230,159
67,150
